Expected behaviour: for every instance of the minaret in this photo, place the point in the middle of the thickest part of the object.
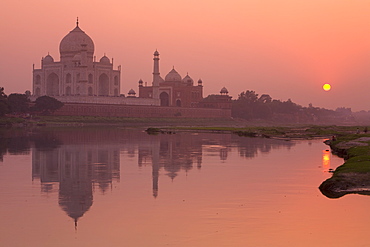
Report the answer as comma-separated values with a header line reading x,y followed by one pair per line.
x,y
156,75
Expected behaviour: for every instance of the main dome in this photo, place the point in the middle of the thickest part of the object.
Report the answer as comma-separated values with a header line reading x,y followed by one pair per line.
x,y
73,41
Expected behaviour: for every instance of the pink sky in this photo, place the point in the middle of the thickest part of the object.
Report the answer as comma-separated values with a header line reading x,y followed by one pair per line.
x,y
285,48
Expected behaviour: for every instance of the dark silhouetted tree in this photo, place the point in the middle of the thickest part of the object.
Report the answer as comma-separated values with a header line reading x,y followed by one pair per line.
x,y
4,108
18,103
47,105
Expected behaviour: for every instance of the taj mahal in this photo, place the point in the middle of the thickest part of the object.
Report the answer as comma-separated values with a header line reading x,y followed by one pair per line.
x,y
79,78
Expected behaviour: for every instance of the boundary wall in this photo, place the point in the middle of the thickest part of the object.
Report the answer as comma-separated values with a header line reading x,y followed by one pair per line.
x,y
138,111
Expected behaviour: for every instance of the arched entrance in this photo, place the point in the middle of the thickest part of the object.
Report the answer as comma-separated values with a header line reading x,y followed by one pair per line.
x,y
90,91
52,85
37,93
178,103
103,85
68,91
164,99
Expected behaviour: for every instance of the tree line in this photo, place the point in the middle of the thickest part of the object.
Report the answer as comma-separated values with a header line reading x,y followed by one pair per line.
x,y
249,105
16,103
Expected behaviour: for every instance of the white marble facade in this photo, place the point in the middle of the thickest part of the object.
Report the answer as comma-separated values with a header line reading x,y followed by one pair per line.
x,y
77,73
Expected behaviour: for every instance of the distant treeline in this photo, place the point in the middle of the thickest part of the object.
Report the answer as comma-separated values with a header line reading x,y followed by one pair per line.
x,y
249,105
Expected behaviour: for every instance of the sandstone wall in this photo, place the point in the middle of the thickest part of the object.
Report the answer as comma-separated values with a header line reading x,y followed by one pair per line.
x,y
114,110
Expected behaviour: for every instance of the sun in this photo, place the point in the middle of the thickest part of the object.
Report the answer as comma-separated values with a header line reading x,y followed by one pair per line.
x,y
326,86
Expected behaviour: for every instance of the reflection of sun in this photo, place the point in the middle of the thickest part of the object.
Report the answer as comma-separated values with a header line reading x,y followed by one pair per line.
x,y
326,87
326,159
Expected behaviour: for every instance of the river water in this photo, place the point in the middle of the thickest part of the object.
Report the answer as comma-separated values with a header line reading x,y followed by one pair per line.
x,y
123,187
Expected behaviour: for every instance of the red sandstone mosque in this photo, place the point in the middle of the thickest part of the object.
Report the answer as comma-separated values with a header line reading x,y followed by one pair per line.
x,y
90,87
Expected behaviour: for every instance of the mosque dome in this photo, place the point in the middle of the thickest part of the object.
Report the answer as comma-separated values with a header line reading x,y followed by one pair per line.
x,y
173,76
224,91
131,93
187,79
200,82
105,60
48,59
73,41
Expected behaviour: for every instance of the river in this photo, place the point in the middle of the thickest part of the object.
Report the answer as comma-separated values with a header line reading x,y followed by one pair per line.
x,y
123,187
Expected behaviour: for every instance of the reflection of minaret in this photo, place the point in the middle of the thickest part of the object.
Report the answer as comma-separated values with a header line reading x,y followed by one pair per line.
x,y
172,153
155,168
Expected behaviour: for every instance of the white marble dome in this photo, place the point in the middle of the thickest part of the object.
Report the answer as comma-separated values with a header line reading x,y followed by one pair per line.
x,y
72,42
104,60
48,59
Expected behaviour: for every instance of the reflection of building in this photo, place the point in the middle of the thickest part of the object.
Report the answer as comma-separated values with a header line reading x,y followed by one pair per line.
x,y
77,73
173,153
77,169
81,159
250,147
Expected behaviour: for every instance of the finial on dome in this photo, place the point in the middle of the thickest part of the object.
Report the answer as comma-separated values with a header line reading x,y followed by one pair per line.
x,y
77,22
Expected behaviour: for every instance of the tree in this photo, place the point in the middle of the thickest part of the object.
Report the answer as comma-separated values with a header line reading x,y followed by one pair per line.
x,y
248,96
47,105
4,108
18,103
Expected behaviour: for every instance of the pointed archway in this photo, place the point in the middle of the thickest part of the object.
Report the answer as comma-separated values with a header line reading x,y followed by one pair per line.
x,y
164,97
52,85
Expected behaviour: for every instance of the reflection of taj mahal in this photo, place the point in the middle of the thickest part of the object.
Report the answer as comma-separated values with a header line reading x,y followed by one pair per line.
x,y
77,170
79,78
75,163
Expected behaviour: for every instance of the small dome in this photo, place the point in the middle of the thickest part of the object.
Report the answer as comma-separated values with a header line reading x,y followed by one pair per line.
x,y
224,91
48,59
76,57
200,81
105,60
173,76
187,79
131,92
72,42
156,53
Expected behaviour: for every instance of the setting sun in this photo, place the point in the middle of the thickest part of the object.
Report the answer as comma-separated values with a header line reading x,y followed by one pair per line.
x,y
326,87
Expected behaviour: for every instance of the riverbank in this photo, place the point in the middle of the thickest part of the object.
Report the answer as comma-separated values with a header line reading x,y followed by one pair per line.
x,y
354,175
256,128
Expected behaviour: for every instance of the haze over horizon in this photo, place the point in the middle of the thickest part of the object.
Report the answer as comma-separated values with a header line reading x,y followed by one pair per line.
x,y
287,49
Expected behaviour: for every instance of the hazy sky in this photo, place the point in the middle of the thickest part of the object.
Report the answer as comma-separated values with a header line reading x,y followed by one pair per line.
x,y
285,48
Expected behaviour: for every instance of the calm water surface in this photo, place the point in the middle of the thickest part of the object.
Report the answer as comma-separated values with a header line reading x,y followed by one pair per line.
x,y
122,187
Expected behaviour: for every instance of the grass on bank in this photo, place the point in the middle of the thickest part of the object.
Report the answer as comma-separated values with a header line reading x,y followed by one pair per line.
x,y
6,121
357,157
